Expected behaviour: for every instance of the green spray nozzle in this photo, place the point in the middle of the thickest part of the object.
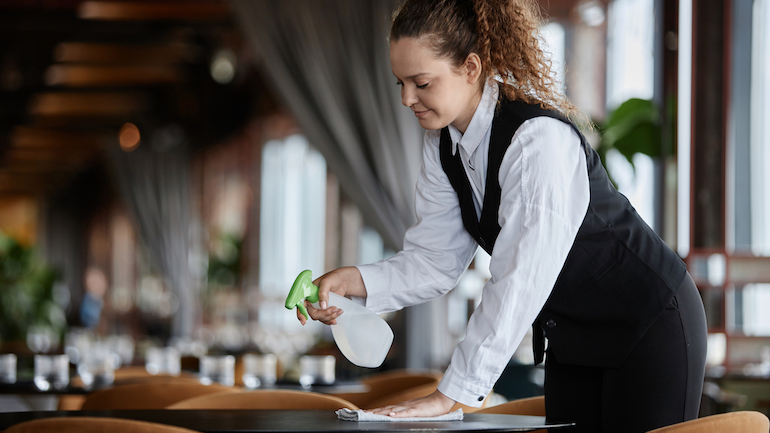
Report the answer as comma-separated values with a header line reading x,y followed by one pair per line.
x,y
303,288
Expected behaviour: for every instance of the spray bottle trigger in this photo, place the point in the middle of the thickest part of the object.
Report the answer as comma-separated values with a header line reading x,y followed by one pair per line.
x,y
303,310
303,288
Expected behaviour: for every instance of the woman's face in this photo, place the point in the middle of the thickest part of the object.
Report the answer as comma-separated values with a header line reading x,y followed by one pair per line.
x,y
438,93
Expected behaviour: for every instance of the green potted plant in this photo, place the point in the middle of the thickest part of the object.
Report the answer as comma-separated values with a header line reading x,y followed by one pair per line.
x,y
26,295
634,127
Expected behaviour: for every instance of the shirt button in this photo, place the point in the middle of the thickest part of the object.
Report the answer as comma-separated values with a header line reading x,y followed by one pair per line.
x,y
481,398
551,323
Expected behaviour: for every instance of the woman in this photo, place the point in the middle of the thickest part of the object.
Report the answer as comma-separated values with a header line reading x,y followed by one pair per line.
x,y
505,169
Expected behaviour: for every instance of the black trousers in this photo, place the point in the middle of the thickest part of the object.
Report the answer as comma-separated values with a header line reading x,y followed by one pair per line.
x,y
659,384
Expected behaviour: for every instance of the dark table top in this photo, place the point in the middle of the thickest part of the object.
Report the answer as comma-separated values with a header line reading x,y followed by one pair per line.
x,y
281,421
27,387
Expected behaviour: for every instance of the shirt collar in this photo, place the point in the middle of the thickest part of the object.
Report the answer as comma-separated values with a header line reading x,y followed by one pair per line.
x,y
480,122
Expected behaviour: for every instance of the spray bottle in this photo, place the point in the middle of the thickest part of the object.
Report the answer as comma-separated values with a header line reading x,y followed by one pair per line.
x,y
361,335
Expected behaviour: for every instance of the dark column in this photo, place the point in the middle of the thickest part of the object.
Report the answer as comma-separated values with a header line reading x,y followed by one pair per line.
x,y
666,67
710,73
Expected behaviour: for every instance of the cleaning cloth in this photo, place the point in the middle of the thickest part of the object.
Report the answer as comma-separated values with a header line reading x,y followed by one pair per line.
x,y
359,415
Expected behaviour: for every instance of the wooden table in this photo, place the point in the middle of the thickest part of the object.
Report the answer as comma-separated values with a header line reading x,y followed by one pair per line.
x,y
282,421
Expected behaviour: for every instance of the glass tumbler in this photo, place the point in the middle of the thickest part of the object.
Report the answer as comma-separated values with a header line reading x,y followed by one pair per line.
x,y
316,370
219,369
8,368
163,360
97,367
52,372
259,370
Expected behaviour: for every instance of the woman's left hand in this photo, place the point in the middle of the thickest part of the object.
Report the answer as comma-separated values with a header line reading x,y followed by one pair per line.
x,y
432,405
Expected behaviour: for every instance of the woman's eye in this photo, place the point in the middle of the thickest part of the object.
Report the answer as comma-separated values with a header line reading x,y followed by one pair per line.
x,y
422,86
398,83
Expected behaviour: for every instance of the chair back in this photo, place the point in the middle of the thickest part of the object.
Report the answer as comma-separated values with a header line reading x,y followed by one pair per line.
x,y
417,392
70,402
533,406
149,395
159,379
390,382
133,372
265,399
92,425
731,422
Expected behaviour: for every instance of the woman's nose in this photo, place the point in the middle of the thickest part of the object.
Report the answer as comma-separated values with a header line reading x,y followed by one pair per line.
x,y
408,98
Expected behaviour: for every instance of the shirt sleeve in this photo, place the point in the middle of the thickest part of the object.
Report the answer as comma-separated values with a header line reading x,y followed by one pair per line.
x,y
437,249
545,195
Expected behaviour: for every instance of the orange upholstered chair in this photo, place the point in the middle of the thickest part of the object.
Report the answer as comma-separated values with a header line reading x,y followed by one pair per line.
x,y
92,425
390,382
731,422
265,399
533,406
133,372
150,395
416,392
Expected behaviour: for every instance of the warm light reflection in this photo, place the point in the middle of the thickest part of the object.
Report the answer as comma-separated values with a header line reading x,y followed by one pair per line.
x,y
129,137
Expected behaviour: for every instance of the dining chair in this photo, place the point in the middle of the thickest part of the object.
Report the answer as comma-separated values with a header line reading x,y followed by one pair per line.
x,y
93,425
75,401
533,406
70,402
136,373
132,372
161,378
417,392
390,382
730,422
265,399
149,395
239,369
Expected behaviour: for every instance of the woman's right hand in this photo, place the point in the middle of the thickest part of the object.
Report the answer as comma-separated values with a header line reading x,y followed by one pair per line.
x,y
344,281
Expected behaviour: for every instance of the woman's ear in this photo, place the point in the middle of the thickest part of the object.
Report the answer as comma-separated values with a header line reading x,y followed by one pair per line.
x,y
472,68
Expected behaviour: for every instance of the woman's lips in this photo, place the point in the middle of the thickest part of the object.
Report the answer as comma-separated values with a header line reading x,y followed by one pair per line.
x,y
421,114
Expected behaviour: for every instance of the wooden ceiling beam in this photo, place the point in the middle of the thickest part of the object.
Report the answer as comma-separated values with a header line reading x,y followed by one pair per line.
x,y
160,54
28,137
40,168
30,182
153,11
104,76
54,154
89,105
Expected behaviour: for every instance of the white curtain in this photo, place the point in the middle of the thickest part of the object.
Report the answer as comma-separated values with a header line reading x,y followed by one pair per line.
x,y
154,181
329,62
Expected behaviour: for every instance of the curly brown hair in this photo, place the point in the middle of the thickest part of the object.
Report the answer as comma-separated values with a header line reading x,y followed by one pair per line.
x,y
504,34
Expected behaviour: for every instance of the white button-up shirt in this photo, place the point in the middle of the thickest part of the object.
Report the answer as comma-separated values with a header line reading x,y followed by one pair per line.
x,y
545,196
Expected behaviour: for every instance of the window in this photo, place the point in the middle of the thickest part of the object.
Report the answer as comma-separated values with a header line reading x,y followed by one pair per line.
x,y
630,74
760,130
734,278
554,36
293,210
292,230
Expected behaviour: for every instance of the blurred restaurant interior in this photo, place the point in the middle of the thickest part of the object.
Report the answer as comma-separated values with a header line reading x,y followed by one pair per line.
x,y
168,167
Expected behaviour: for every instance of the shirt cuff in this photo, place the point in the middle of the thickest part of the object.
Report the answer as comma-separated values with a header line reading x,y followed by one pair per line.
x,y
377,298
455,388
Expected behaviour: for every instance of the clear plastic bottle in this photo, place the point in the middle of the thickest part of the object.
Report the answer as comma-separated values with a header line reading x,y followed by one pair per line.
x,y
362,336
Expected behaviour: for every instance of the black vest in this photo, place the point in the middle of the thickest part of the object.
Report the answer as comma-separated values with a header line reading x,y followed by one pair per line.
x,y
618,276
